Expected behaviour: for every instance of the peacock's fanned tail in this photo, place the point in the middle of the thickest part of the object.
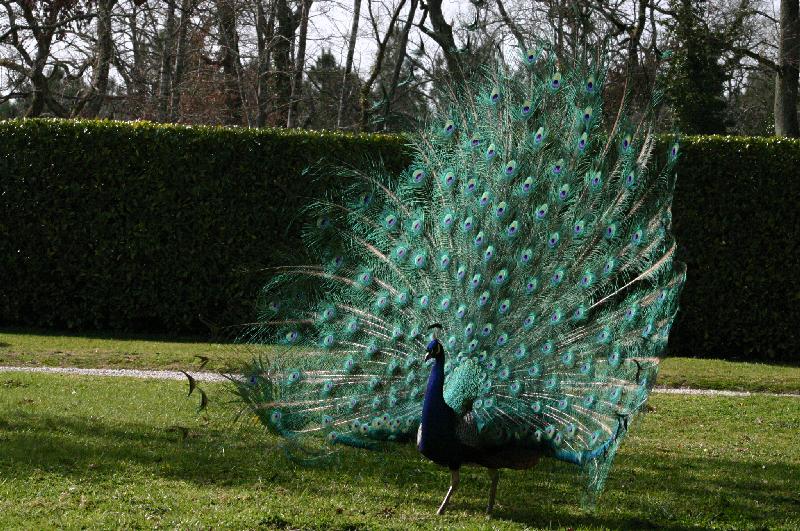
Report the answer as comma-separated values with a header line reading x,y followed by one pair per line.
x,y
537,234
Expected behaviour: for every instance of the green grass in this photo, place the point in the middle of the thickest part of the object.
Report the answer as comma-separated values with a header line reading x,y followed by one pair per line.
x,y
729,375
105,453
30,349
137,352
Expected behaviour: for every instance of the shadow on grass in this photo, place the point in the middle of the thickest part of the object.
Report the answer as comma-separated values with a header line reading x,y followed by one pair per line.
x,y
645,491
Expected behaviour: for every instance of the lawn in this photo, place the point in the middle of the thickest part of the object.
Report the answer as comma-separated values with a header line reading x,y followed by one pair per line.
x,y
116,452
54,350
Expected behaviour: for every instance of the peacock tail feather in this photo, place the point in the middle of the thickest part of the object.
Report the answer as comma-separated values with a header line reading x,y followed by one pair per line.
x,y
539,237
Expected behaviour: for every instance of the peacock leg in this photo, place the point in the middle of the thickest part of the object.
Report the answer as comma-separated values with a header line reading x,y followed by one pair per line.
x,y
494,474
450,491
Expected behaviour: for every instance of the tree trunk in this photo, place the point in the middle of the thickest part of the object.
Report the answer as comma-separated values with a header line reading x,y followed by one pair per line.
x,y
366,87
348,67
265,28
299,65
138,80
283,59
511,25
104,50
400,56
180,59
442,33
165,79
43,31
40,90
229,49
786,76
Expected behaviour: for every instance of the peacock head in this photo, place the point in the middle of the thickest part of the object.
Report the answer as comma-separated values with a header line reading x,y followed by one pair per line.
x,y
434,350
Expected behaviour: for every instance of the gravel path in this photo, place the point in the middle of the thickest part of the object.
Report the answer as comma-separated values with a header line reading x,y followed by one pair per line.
x,y
217,377
717,392
129,373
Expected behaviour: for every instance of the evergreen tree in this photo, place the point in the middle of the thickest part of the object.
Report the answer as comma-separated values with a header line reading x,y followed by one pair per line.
x,y
322,91
697,77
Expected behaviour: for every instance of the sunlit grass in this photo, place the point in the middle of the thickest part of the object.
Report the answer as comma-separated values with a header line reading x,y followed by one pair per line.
x,y
134,352
54,350
729,375
123,453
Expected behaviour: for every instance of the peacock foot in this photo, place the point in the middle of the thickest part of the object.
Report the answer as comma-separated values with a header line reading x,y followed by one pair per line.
x,y
494,475
453,486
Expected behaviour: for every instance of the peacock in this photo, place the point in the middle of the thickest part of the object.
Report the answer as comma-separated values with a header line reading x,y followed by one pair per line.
x,y
505,298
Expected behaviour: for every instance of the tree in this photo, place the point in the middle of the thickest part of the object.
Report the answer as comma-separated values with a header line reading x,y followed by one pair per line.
x,y
324,109
248,62
696,77
346,90
95,95
787,74
181,53
282,55
299,63
167,62
441,32
31,31
382,44
265,33
230,61
399,52
753,106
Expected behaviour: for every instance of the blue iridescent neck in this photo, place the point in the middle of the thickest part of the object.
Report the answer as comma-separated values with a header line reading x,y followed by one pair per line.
x,y
435,411
435,389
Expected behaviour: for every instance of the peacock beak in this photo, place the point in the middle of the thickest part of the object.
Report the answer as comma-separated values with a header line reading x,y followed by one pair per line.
x,y
428,355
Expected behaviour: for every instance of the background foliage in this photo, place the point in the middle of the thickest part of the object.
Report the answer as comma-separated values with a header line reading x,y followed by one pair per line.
x,y
737,224
144,227
376,65
121,226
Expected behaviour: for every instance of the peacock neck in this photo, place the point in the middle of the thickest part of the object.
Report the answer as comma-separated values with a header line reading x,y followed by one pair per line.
x,y
437,416
435,389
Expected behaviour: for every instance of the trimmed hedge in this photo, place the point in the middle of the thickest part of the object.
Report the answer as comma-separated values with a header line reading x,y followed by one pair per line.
x,y
737,224
144,227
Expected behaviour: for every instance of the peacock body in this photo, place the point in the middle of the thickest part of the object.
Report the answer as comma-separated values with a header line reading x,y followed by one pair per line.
x,y
533,235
